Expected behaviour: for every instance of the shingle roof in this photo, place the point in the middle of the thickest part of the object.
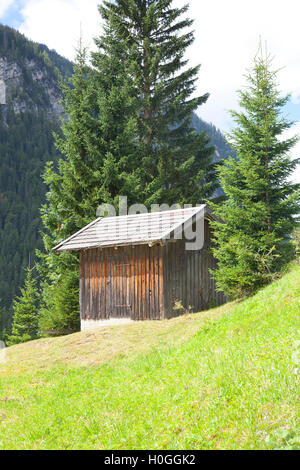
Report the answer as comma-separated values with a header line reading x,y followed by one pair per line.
x,y
135,229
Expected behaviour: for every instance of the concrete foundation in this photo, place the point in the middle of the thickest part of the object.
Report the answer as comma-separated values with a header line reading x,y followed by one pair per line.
x,y
87,325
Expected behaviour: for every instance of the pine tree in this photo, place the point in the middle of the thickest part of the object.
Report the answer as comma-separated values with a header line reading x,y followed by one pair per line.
x,y
25,312
115,120
70,203
2,323
176,161
100,164
254,240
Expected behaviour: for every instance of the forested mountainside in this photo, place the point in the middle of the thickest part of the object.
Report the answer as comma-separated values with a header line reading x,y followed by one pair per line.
x,y
223,149
29,113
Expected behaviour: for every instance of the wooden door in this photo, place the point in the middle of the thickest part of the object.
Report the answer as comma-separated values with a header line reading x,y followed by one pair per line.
x,y
119,298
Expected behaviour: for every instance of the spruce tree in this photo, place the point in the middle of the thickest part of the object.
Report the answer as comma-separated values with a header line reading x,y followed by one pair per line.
x,y
176,162
253,240
99,164
115,106
70,204
2,323
25,313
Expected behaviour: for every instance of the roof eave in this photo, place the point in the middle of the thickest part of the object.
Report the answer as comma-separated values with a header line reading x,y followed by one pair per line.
x,y
56,248
202,210
112,245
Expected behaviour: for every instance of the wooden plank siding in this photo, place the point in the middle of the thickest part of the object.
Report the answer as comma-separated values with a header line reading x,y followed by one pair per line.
x,y
127,282
147,283
188,284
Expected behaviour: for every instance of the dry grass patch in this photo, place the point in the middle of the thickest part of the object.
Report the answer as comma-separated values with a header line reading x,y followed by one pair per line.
x,y
96,347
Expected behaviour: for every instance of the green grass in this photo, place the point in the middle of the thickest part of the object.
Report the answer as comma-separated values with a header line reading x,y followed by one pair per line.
x,y
225,379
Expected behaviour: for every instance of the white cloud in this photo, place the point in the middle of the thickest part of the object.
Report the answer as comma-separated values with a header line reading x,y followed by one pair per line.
x,y
295,151
227,36
4,5
296,175
57,23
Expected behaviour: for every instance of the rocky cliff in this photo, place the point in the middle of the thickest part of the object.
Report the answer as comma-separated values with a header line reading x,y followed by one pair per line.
x,y
18,87
30,75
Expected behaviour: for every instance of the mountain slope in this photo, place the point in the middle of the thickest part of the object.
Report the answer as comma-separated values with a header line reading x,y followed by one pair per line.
x,y
223,149
29,111
29,75
222,379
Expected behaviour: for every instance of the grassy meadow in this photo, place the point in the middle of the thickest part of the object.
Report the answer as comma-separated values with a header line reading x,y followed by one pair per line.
x,y
227,378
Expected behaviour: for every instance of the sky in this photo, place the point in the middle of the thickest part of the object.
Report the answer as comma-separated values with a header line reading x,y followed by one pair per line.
x,y
227,35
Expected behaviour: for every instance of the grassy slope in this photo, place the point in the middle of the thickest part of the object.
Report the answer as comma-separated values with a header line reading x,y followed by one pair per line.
x,y
224,379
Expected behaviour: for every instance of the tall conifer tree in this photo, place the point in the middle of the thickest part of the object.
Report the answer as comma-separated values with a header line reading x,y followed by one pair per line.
x,y
115,106
176,161
71,202
100,164
2,323
259,215
25,313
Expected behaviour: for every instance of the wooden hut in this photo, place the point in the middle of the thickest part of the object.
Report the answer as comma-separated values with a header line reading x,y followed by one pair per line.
x,y
144,267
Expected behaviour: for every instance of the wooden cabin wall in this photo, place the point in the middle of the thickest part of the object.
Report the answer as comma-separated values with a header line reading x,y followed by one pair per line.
x,y
127,282
188,284
146,283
